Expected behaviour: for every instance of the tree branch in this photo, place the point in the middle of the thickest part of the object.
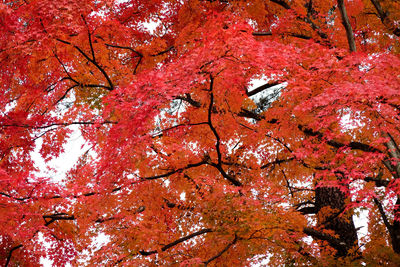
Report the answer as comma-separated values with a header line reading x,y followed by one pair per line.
x,y
10,254
221,252
262,88
176,242
160,133
218,165
56,124
281,3
347,26
250,114
277,161
164,51
384,17
111,85
193,165
90,38
377,180
297,35
384,217
334,242
187,98
49,219
140,55
333,143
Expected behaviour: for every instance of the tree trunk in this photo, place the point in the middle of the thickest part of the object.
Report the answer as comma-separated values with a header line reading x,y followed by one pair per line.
x,y
395,235
330,203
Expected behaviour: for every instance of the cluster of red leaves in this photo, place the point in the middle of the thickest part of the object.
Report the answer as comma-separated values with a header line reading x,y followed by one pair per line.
x,y
183,166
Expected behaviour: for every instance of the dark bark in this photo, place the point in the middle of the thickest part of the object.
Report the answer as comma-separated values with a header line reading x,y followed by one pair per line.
x,y
262,88
395,235
347,26
10,254
393,165
384,17
341,223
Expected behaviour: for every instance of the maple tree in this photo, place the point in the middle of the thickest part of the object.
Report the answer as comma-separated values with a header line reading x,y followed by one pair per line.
x,y
188,164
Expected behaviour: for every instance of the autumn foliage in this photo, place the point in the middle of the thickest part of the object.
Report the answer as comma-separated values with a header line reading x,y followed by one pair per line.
x,y
186,162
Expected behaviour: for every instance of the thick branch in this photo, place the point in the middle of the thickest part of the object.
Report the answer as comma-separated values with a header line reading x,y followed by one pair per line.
x,y
10,254
261,33
65,69
347,26
66,93
250,114
262,88
187,98
49,219
334,242
394,153
225,175
384,17
336,144
377,180
308,210
90,38
281,3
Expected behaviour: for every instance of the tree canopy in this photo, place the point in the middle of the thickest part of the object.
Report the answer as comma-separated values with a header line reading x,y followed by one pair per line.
x,y
189,163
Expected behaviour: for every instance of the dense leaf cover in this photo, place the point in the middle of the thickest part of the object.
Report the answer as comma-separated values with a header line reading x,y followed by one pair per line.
x,y
189,164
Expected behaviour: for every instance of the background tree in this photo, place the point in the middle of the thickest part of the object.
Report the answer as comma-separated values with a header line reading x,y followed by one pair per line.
x,y
184,166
